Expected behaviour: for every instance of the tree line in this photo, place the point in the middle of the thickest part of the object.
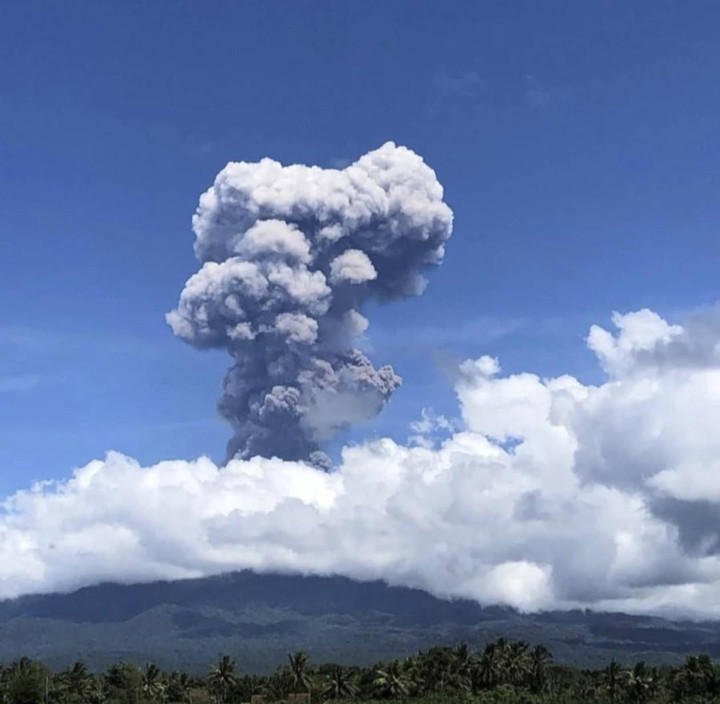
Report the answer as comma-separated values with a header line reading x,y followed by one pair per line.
x,y
503,672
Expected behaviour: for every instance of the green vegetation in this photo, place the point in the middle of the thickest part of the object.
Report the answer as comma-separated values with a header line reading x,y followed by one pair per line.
x,y
183,625
503,672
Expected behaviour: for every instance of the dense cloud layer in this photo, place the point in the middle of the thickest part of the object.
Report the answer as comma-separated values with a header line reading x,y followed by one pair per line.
x,y
550,493
289,256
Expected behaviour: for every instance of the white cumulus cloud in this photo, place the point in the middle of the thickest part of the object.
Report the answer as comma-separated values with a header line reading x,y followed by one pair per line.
x,y
549,493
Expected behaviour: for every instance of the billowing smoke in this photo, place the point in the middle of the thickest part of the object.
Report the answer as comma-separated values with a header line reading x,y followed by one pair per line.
x,y
290,255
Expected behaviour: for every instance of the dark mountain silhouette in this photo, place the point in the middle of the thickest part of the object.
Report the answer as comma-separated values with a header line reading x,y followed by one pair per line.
x,y
259,618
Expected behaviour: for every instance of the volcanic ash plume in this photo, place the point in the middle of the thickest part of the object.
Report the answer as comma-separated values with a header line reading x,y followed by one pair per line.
x,y
289,256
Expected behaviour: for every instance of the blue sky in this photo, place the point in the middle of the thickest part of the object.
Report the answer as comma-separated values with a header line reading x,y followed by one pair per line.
x,y
577,144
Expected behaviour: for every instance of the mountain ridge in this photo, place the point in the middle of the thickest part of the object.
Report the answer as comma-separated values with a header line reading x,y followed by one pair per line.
x,y
258,618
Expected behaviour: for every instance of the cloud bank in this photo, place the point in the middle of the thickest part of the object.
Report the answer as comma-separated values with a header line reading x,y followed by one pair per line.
x,y
548,493
290,255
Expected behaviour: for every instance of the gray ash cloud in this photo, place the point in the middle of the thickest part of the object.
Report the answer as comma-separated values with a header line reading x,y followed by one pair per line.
x,y
289,256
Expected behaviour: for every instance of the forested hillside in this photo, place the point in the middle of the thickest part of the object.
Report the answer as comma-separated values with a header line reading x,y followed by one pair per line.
x,y
260,618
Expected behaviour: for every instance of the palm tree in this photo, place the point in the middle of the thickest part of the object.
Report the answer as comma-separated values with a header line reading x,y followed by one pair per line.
x,y
640,683
585,688
540,658
77,682
152,685
462,658
96,693
178,689
340,684
222,677
697,676
429,672
456,669
517,664
28,682
489,667
123,681
390,682
278,685
611,676
299,666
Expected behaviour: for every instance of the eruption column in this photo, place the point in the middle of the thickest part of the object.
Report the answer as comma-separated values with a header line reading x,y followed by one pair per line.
x,y
289,255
